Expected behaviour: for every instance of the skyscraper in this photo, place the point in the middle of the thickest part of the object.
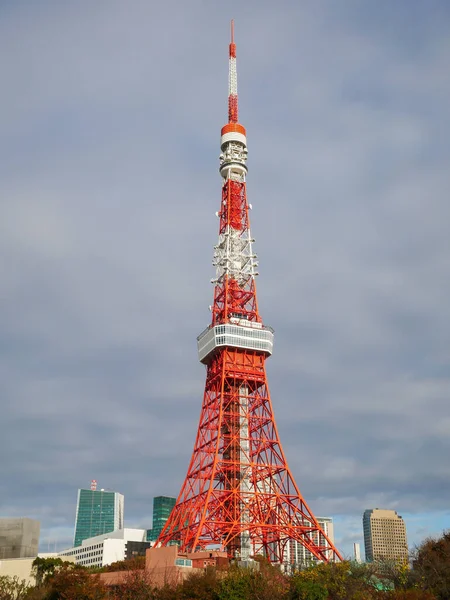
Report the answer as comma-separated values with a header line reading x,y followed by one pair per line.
x,y
295,553
384,535
98,512
162,507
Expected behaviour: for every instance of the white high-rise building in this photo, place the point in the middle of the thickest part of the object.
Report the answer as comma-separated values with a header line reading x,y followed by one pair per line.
x,y
297,556
356,552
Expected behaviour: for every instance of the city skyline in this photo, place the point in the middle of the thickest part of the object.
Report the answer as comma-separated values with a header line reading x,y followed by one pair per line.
x,y
110,119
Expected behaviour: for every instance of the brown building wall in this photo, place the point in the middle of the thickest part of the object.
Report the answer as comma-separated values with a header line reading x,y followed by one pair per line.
x,y
160,568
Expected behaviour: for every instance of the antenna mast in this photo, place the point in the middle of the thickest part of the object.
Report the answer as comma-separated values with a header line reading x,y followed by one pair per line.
x,y
232,81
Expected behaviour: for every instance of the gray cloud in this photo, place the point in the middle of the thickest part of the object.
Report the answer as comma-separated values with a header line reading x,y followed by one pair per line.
x,y
109,120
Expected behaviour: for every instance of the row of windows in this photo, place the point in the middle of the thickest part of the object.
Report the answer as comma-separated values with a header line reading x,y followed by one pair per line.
x,y
386,520
90,561
84,552
390,550
228,340
243,331
388,526
237,337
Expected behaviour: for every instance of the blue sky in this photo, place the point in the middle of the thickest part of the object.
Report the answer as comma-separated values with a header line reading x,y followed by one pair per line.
x,y
110,115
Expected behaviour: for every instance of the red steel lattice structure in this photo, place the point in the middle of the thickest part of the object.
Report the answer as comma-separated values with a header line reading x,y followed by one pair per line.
x,y
239,493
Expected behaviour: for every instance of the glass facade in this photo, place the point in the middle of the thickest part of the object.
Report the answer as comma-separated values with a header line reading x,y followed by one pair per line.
x,y
98,512
162,507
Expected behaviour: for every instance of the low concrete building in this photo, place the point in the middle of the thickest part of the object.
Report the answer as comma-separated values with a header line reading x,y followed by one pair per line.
x,y
23,567
18,567
19,537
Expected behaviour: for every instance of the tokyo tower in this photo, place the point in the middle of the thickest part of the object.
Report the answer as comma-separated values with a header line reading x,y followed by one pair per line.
x,y
239,494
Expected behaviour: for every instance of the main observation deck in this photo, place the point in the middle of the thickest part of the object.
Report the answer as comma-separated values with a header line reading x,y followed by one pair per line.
x,y
238,333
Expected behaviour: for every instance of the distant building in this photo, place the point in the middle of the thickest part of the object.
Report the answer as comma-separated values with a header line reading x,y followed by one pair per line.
x,y
384,535
103,550
162,507
296,555
19,537
356,552
98,512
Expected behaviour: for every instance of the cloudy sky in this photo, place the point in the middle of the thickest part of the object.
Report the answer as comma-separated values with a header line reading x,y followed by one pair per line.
x,y
110,115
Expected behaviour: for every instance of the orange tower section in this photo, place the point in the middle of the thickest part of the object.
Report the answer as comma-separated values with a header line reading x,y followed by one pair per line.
x,y
239,494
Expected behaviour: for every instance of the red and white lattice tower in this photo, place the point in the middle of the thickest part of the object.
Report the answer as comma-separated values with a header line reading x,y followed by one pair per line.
x,y
239,493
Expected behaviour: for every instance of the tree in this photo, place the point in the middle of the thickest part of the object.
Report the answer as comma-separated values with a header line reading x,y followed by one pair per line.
x,y
307,590
72,582
236,585
130,564
262,581
200,586
431,564
342,581
394,574
13,588
136,586
43,568
405,595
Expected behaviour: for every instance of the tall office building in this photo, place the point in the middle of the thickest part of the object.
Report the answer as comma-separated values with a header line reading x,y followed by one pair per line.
x,y
98,512
162,507
384,535
297,556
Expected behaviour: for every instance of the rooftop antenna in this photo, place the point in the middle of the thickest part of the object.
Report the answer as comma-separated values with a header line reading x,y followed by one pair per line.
x,y
232,80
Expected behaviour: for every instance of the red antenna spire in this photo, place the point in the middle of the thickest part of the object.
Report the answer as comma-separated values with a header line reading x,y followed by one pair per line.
x,y
232,81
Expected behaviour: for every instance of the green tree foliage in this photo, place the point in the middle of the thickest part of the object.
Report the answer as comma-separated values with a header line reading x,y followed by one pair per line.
x,y
44,568
262,582
199,586
342,581
307,590
236,585
13,588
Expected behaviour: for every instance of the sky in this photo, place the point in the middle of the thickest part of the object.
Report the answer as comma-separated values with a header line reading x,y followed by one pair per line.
x,y
110,117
